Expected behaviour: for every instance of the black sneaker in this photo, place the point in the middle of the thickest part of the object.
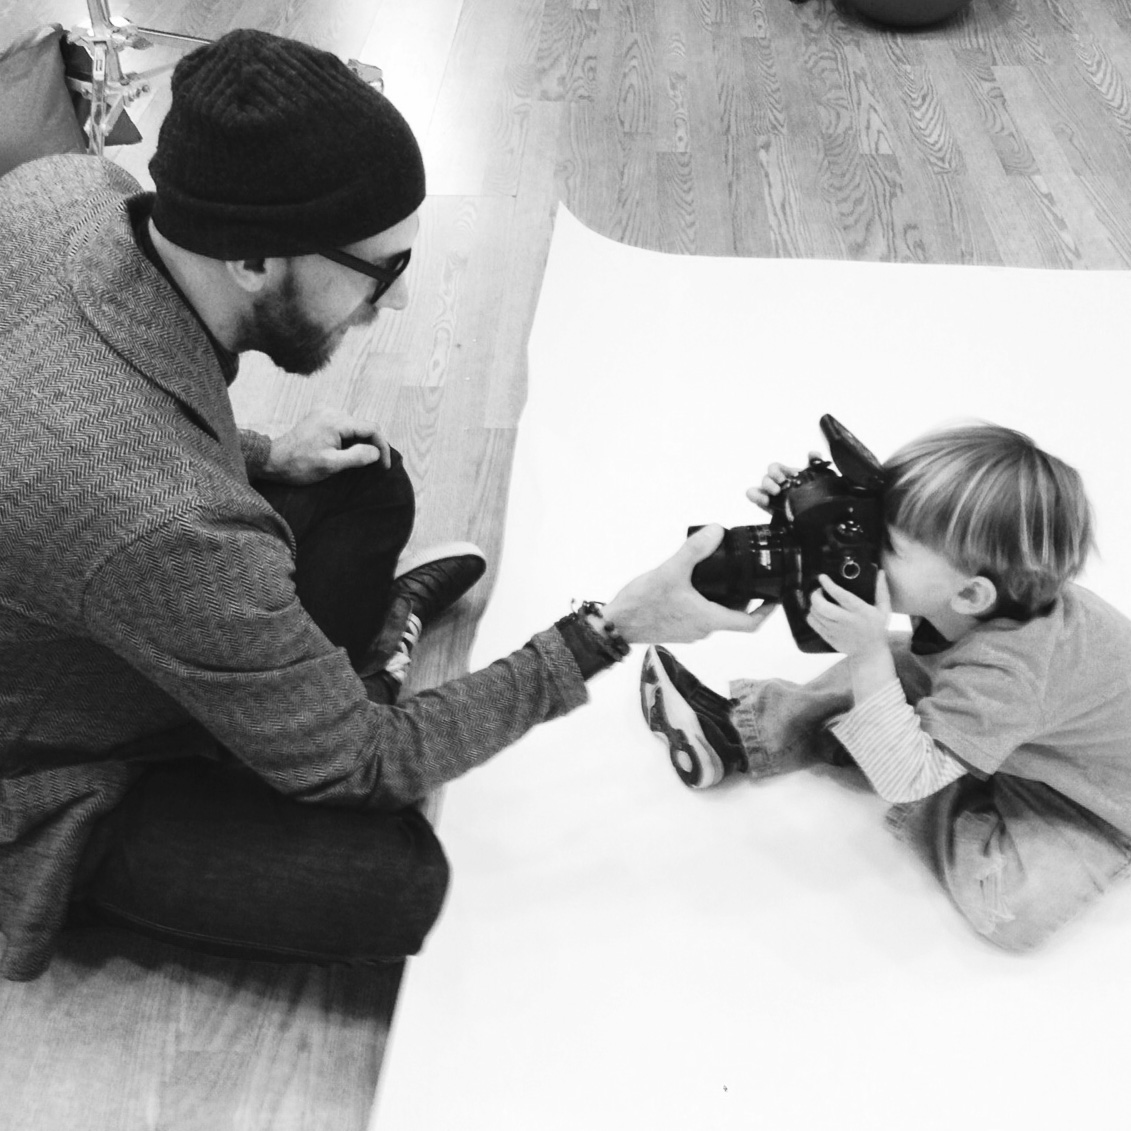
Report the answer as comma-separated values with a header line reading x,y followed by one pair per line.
x,y
691,719
425,586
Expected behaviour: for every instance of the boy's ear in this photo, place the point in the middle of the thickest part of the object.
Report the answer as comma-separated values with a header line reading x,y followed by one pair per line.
x,y
976,598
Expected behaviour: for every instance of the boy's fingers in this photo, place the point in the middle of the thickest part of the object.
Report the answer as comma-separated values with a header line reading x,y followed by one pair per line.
x,y
819,626
778,473
820,605
844,597
830,589
883,593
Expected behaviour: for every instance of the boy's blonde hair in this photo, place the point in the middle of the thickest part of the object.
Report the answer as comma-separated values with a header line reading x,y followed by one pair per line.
x,y
995,505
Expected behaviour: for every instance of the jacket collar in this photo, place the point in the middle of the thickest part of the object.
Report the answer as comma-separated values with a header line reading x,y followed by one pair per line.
x,y
140,208
143,319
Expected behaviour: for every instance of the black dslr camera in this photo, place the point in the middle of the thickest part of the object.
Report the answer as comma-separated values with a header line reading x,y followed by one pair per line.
x,y
823,522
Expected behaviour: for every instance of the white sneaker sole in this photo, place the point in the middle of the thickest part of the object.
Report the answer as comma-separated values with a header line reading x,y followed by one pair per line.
x,y
672,720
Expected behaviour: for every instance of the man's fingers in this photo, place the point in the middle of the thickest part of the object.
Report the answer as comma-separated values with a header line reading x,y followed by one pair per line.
x,y
351,431
372,438
357,455
760,615
702,544
731,620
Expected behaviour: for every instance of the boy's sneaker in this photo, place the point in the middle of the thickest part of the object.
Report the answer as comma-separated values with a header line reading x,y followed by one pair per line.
x,y
425,585
691,719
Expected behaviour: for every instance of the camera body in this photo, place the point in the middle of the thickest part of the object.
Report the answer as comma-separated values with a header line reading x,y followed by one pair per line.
x,y
823,521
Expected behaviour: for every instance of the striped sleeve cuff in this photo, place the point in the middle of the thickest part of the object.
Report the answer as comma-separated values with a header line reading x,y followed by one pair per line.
x,y
884,737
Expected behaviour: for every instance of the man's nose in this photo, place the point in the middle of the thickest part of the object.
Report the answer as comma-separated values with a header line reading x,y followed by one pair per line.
x,y
396,297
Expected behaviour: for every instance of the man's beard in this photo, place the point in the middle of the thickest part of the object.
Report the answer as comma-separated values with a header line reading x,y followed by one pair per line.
x,y
280,328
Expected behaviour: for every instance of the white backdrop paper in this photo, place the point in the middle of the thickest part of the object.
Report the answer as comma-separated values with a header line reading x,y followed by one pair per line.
x,y
620,952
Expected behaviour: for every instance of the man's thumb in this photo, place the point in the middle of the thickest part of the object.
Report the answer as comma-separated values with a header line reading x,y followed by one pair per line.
x,y
703,543
356,455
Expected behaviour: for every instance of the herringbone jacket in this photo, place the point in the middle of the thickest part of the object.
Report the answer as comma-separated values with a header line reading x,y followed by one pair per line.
x,y
145,584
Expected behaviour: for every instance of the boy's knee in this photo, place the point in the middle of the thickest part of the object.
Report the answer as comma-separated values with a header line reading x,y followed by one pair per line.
x,y
1016,921
1016,938
1015,933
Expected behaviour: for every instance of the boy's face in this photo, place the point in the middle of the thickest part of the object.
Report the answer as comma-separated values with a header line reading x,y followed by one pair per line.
x,y
922,582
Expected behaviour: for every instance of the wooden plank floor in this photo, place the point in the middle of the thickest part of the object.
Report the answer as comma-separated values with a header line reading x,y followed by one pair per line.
x,y
711,127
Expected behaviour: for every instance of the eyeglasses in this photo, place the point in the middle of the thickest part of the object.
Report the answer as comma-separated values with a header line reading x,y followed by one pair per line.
x,y
385,276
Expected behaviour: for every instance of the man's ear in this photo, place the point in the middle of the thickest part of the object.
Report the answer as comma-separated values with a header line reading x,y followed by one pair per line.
x,y
976,598
254,275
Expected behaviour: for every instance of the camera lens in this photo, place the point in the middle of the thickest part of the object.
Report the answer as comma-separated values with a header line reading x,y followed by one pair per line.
x,y
749,565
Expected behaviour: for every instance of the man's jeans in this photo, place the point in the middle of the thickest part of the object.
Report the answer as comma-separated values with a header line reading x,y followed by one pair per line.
x,y
205,855
1018,859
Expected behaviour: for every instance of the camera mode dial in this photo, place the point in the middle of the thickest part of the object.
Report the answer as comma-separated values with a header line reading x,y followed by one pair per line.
x,y
846,538
848,533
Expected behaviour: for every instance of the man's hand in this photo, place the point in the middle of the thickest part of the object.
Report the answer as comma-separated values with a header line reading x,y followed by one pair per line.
x,y
661,607
327,441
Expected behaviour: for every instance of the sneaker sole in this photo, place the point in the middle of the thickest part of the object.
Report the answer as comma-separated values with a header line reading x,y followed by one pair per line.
x,y
671,718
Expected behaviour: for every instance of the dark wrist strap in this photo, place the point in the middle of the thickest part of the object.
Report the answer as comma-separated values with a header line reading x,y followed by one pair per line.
x,y
608,631
593,650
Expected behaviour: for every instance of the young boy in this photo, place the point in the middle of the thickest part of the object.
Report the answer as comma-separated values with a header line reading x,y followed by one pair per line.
x,y
1001,729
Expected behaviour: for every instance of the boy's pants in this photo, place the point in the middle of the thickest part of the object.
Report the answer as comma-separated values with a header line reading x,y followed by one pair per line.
x,y
206,855
1018,859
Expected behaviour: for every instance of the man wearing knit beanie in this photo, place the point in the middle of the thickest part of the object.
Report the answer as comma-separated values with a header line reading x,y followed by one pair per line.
x,y
287,196
204,632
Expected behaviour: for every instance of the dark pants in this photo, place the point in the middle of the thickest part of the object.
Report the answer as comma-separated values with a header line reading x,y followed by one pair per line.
x,y
206,855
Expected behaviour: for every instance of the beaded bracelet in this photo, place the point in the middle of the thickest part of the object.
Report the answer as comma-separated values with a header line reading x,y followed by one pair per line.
x,y
608,630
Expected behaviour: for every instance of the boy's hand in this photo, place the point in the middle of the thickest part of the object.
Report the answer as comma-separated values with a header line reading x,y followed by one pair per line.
x,y
776,475
848,623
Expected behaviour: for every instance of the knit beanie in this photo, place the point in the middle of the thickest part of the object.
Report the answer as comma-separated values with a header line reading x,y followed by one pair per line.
x,y
275,148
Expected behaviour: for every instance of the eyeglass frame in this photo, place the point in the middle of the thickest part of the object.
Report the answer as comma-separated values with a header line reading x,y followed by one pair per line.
x,y
385,276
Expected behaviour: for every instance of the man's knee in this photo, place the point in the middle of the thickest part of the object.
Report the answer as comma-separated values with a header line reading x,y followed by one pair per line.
x,y
407,881
396,476
387,487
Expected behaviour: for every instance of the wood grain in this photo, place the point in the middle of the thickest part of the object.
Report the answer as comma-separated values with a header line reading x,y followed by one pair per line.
x,y
709,127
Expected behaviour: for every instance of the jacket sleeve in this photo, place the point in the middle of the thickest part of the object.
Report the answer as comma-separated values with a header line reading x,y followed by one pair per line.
x,y
206,609
256,447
